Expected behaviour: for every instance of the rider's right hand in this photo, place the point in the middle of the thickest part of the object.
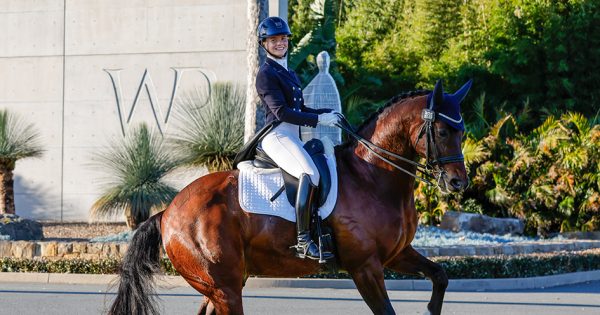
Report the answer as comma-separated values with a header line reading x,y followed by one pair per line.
x,y
329,119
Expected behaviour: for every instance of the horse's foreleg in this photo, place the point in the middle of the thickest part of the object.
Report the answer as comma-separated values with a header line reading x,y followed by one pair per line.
x,y
410,261
369,282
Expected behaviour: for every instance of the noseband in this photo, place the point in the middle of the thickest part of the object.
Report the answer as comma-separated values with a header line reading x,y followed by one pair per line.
x,y
431,169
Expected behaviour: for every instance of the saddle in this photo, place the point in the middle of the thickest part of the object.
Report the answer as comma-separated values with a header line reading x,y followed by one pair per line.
x,y
253,151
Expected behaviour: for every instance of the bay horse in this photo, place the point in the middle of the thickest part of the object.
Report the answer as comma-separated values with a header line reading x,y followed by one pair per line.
x,y
215,245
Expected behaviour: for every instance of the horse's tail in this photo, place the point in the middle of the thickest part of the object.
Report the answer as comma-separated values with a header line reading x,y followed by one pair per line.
x,y
136,291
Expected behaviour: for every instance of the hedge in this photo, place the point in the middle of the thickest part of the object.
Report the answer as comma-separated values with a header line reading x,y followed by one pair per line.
x,y
482,267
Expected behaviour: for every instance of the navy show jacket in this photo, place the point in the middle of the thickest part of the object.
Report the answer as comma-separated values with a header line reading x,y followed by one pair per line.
x,y
281,92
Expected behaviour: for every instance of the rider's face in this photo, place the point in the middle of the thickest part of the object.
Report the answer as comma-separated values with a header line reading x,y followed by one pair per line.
x,y
277,45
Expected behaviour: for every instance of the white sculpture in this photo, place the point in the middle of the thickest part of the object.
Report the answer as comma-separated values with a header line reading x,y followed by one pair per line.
x,y
322,92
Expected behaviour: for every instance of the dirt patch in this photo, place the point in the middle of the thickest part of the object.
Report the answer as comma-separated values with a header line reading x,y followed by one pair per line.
x,y
79,231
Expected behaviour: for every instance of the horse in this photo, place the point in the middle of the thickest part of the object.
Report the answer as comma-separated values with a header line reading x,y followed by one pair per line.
x,y
215,245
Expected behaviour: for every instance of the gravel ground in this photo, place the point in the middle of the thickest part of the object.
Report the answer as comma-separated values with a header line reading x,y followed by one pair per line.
x,y
435,237
79,231
425,236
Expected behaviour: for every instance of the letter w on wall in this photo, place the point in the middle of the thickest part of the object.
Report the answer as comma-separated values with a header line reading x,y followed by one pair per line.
x,y
147,85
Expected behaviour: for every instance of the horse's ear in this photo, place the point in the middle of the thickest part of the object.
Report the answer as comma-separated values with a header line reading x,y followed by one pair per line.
x,y
460,95
438,95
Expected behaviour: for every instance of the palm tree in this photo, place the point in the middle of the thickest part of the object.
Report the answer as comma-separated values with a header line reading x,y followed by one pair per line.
x,y
18,140
136,166
210,133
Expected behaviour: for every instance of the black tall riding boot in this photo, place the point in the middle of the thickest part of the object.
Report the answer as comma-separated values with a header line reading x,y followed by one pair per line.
x,y
305,197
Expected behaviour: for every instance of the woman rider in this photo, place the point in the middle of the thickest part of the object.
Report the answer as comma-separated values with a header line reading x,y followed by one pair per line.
x,y
280,91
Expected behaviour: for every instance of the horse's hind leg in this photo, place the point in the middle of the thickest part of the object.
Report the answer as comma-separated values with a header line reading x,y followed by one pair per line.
x,y
215,269
368,278
410,261
207,308
220,298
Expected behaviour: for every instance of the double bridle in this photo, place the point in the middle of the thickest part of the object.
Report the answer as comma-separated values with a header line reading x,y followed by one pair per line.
x,y
431,170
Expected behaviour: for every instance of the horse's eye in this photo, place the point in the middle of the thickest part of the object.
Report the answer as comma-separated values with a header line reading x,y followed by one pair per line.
x,y
443,133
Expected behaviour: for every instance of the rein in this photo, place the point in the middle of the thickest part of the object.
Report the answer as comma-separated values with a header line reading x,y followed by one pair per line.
x,y
431,170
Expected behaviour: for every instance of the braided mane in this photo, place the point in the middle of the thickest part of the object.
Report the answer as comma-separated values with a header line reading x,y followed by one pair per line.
x,y
396,99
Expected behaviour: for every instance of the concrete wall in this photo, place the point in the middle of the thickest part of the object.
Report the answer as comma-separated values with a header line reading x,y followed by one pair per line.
x,y
65,63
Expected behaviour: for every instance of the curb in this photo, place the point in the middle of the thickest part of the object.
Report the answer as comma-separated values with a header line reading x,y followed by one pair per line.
x,y
411,285
509,248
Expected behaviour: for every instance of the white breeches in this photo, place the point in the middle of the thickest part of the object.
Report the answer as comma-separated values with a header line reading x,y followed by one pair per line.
x,y
284,146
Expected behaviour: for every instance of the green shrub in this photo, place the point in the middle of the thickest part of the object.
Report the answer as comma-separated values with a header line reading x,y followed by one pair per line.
x,y
548,177
479,267
494,267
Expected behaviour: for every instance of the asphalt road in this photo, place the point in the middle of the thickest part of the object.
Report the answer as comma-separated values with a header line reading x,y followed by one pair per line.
x,y
26,298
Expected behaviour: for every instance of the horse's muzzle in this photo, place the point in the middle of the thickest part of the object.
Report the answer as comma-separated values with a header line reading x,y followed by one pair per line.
x,y
456,184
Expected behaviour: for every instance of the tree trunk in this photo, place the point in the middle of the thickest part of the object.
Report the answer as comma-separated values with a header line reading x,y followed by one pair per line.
x,y
257,10
7,190
130,220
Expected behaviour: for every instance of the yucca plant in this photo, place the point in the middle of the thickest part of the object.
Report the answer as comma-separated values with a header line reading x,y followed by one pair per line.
x,y
210,128
136,166
18,140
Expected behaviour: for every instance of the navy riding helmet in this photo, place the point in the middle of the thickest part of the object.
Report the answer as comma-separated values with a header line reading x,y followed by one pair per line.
x,y
272,26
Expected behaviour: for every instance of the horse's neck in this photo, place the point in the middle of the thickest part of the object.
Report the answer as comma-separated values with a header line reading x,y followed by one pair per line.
x,y
390,132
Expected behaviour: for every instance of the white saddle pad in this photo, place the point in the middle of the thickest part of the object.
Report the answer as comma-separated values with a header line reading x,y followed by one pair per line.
x,y
257,186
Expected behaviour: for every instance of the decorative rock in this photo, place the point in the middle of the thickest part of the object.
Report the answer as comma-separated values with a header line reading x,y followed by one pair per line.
x,y
19,229
95,248
24,249
484,251
6,249
49,249
460,221
498,250
449,251
80,247
64,249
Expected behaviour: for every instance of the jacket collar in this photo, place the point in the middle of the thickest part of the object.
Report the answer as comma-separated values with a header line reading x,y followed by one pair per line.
x,y
291,75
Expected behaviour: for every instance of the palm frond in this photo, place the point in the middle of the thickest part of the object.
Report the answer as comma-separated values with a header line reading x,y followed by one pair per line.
x,y
574,158
498,196
474,152
497,127
211,135
477,124
544,194
582,125
135,167
18,139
